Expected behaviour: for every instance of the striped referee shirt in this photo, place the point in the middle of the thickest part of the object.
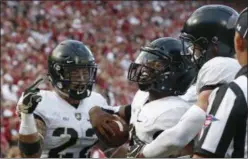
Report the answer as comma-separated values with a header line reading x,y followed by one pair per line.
x,y
225,132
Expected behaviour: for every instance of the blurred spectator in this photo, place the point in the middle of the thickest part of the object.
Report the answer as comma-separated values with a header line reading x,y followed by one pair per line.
x,y
114,31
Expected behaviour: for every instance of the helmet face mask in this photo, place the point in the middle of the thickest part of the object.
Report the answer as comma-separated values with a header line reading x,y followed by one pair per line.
x,y
141,74
76,77
194,49
147,68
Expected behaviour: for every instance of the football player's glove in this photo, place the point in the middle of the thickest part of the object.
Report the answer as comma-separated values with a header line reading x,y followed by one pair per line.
x,y
30,98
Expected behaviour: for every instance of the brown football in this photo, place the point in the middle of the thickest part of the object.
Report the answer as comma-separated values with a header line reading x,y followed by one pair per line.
x,y
120,128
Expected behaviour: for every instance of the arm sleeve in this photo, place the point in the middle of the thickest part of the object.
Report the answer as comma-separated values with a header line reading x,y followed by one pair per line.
x,y
178,136
128,110
225,112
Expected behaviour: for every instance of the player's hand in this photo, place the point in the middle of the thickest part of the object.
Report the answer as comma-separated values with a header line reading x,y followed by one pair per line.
x,y
99,120
30,98
135,151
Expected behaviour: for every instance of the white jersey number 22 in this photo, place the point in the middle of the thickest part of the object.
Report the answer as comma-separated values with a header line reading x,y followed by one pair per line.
x,y
54,153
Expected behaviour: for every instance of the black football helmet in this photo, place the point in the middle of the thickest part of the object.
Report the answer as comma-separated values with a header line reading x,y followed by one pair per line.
x,y
205,34
161,68
72,69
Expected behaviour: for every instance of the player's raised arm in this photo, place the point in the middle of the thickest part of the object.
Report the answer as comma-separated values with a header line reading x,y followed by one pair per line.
x,y
31,130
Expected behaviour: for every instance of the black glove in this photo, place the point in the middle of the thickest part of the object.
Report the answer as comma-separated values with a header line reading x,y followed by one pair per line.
x,y
30,98
136,146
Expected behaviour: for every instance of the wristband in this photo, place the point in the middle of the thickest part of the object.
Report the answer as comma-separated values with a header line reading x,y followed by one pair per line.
x,y
28,125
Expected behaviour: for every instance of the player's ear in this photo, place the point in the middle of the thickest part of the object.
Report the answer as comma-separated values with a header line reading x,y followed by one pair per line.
x,y
239,43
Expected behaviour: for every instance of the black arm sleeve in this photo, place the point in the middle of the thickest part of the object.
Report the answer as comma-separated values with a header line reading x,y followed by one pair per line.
x,y
128,113
29,148
108,111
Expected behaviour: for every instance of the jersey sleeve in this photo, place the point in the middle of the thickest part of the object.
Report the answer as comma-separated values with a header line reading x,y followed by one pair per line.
x,y
170,117
178,136
220,128
213,76
191,95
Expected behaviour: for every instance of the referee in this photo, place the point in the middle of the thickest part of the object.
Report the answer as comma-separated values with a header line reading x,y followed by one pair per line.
x,y
225,130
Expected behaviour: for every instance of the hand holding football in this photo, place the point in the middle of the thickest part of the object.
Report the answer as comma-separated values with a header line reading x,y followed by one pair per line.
x,y
120,136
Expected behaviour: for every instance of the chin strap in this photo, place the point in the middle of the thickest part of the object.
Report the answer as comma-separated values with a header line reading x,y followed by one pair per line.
x,y
73,94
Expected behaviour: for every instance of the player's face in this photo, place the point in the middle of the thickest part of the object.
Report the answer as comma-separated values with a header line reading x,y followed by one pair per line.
x,y
146,67
78,77
150,60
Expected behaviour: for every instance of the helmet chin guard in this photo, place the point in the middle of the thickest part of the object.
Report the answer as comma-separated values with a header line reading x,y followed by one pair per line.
x,y
74,94
79,96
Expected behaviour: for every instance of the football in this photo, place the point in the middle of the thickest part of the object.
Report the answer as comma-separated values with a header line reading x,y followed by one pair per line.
x,y
120,128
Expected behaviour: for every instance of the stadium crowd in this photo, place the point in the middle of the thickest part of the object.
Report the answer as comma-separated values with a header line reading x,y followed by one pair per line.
x,y
113,30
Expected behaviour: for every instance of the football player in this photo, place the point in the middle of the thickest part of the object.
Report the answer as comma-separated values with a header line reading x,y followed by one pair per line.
x,y
204,37
56,123
180,135
162,75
